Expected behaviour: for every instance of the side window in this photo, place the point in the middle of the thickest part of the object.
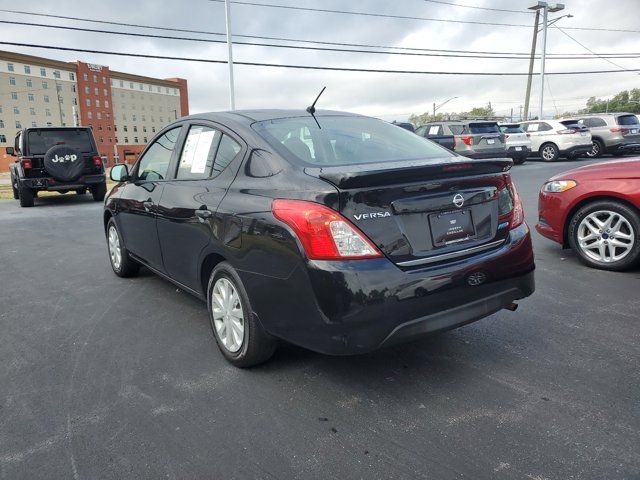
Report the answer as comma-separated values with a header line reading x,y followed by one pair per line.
x,y
18,144
196,159
227,151
456,129
544,127
420,131
155,162
533,127
434,130
597,122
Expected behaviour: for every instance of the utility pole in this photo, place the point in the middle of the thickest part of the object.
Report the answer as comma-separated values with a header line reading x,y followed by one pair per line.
x,y
434,112
227,15
531,60
520,114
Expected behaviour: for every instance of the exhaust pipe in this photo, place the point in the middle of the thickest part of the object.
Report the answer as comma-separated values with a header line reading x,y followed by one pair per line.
x,y
513,306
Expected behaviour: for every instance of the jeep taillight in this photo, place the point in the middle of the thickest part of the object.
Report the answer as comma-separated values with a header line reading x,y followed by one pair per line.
x,y
26,163
97,161
323,232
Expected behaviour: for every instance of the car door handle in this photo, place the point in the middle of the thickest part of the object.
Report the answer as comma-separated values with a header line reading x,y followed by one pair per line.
x,y
147,205
204,214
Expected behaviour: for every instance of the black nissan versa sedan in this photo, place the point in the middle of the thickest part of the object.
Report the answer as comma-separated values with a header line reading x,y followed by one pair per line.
x,y
336,232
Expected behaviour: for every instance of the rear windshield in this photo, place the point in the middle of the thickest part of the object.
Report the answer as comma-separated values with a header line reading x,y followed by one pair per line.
x,y
39,141
627,120
485,127
511,129
571,123
342,140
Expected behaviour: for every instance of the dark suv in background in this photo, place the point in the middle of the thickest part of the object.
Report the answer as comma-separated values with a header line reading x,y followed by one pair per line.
x,y
474,138
59,159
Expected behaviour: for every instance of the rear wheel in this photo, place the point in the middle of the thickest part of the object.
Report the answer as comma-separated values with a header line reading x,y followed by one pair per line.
x,y
26,196
606,235
14,188
549,152
237,331
99,191
121,263
597,148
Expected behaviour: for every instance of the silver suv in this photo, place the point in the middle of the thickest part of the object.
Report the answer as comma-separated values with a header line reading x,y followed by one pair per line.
x,y
614,133
551,139
475,138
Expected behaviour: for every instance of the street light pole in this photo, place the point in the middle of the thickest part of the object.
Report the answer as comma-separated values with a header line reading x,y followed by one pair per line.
x,y
435,108
227,15
531,60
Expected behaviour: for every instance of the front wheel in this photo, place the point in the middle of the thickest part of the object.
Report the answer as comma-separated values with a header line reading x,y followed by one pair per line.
x,y
549,152
237,331
99,191
121,263
606,235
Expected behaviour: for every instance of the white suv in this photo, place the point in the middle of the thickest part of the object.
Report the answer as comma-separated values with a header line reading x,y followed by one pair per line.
x,y
552,139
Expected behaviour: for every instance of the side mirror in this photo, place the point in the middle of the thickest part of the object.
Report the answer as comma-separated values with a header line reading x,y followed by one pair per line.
x,y
11,151
119,173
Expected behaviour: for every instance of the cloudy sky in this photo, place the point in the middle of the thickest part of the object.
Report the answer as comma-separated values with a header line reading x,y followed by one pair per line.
x,y
390,96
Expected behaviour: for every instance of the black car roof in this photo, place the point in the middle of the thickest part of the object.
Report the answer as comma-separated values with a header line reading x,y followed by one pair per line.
x,y
250,116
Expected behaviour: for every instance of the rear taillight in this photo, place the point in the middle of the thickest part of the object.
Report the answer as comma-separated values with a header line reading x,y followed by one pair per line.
x,y
517,212
506,135
97,161
323,232
567,131
26,163
618,130
466,140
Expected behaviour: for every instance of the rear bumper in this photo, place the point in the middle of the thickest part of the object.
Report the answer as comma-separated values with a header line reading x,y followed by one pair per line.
x,y
576,149
47,183
352,307
481,154
624,147
513,152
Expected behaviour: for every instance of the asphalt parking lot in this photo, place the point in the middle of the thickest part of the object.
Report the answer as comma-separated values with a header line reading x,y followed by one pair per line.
x,y
102,377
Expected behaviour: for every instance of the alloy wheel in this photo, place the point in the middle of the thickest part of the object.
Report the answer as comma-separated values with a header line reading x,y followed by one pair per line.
x,y
115,252
605,236
548,153
228,314
595,150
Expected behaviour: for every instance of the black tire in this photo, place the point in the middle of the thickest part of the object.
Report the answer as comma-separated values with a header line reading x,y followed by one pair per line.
x,y
629,214
597,149
98,191
81,191
127,267
549,152
257,346
26,196
16,193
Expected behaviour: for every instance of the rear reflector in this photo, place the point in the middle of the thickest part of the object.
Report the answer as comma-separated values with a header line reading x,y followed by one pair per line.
x,y
466,140
323,232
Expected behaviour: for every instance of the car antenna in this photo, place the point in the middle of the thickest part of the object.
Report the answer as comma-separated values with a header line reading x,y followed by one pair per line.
x,y
312,108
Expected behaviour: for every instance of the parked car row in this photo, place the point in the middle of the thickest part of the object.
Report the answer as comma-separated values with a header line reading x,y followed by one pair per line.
x,y
588,135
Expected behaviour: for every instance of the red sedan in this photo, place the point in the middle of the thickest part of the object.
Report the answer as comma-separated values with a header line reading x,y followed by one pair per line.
x,y
595,210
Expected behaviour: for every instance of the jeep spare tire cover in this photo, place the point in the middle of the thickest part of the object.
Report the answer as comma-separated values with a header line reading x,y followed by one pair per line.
x,y
63,163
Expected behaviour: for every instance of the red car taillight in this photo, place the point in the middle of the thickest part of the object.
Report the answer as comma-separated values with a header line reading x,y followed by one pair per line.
x,y
618,130
466,140
26,163
97,161
517,212
323,232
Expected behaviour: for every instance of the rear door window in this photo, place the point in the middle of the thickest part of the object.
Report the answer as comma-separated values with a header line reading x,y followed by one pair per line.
x,y
544,127
456,129
435,130
484,127
227,151
596,122
196,159
627,120
39,141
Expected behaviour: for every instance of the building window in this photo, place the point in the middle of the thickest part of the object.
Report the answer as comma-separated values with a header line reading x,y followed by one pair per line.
x,y
166,90
150,89
88,102
97,103
104,80
47,112
108,116
130,84
56,74
49,124
1,123
16,111
14,95
10,67
75,101
32,111
73,88
60,99
106,104
86,90
95,79
145,139
124,117
140,87
27,69
110,141
58,88
90,115
125,128
135,128
126,139
108,127
158,89
133,117
45,85
101,139
46,99
99,126
99,116
18,124
135,139
153,129
144,119
34,124
43,72
3,139
104,92
121,84
12,80
144,128
85,77
31,97
72,76
96,91
29,83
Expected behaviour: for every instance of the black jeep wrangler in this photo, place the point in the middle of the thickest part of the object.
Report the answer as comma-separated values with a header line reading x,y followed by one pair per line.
x,y
59,159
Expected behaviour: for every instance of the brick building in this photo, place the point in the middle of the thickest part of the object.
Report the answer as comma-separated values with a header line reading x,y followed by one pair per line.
x,y
124,110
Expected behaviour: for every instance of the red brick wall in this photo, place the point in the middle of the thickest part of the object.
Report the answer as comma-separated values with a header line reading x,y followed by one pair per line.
x,y
129,153
184,95
97,76
5,160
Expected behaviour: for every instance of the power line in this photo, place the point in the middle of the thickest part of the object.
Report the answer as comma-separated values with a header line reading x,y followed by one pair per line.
x,y
298,47
301,67
289,39
478,8
406,17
